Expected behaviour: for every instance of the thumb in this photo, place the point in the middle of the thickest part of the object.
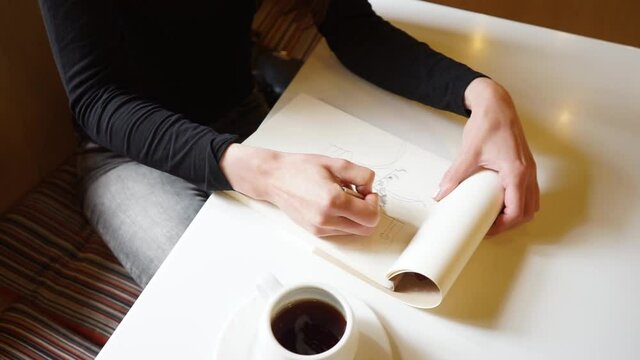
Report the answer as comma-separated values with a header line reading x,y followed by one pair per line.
x,y
463,167
350,173
373,199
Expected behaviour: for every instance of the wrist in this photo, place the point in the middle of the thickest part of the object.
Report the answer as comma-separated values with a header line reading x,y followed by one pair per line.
x,y
483,93
491,105
248,169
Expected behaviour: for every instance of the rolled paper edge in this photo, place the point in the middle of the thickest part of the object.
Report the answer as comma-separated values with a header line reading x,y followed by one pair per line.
x,y
439,282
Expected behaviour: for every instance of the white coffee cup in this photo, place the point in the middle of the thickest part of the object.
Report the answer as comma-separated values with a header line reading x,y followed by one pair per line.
x,y
278,297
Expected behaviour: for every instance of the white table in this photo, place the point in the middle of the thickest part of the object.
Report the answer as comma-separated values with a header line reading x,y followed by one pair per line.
x,y
564,286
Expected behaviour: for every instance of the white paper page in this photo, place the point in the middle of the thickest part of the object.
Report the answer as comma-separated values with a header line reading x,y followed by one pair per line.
x,y
406,178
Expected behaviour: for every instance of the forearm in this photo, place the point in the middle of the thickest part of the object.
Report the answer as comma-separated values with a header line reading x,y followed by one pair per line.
x,y
152,135
388,57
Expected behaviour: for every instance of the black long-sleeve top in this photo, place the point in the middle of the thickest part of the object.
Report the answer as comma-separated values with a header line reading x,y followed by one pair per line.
x,y
145,77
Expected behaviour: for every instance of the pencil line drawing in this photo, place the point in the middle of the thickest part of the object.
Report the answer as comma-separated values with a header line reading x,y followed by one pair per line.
x,y
392,227
382,184
338,151
392,174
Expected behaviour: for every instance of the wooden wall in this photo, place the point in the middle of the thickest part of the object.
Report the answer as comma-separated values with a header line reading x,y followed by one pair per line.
x,y
35,130
612,20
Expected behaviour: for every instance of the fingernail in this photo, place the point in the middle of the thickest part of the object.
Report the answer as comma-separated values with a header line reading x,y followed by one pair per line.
x,y
435,194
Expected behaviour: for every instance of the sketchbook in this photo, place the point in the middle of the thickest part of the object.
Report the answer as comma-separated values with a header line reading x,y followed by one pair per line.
x,y
420,246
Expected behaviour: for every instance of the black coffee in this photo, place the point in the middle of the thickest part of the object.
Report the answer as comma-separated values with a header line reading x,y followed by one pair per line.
x,y
308,327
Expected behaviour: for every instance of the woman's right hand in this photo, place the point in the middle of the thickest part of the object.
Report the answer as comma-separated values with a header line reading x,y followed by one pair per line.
x,y
308,188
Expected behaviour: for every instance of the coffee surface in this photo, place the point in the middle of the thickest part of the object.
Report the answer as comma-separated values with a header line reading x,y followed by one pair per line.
x,y
308,327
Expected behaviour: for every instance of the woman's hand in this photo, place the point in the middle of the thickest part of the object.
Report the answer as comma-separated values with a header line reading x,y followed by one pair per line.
x,y
308,188
493,139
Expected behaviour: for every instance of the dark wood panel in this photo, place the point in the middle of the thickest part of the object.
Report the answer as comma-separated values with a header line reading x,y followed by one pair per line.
x,y
612,20
35,128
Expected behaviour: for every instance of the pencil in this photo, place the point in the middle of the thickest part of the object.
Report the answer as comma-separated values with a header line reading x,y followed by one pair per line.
x,y
352,192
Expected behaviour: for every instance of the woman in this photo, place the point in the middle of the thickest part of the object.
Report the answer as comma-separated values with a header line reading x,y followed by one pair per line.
x,y
162,93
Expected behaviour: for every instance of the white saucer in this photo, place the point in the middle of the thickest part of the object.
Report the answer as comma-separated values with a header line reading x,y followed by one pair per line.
x,y
238,337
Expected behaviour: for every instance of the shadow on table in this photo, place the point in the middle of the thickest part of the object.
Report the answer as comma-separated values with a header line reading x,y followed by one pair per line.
x,y
409,352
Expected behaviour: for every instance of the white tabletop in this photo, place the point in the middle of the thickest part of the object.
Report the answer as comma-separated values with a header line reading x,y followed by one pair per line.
x,y
562,287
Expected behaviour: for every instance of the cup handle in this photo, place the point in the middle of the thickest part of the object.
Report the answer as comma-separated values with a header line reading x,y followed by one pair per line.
x,y
268,285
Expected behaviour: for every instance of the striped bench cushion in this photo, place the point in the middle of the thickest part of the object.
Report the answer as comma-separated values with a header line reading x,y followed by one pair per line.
x,y
27,334
51,258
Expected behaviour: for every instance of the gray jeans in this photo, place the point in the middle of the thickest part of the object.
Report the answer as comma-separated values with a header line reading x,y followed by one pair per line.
x,y
141,212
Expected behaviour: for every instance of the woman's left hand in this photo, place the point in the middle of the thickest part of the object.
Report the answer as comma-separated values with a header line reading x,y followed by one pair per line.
x,y
493,138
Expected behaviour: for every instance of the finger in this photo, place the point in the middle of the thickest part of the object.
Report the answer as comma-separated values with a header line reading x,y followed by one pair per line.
x,y
365,211
314,228
337,233
531,199
350,173
514,200
498,226
461,169
324,232
536,195
348,226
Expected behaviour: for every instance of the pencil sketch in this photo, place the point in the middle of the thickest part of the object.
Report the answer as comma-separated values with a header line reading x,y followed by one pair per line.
x,y
341,152
390,229
392,173
383,183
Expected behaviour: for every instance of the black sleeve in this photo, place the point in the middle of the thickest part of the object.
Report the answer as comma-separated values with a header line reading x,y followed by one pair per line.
x,y
85,46
374,49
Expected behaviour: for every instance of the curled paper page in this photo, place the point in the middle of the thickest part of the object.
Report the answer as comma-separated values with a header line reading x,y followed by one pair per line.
x,y
434,258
